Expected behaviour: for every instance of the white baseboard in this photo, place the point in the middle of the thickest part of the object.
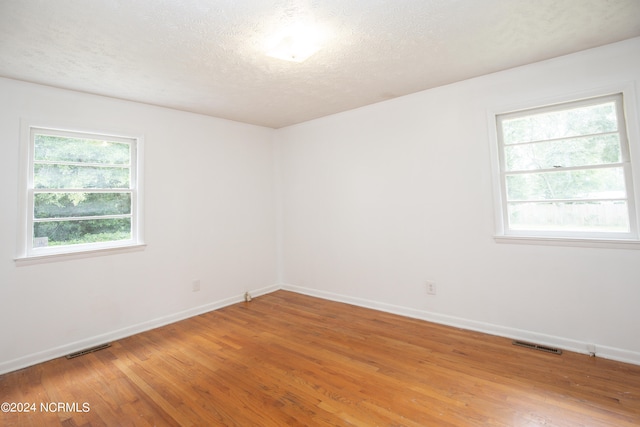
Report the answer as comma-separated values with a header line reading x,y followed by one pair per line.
x,y
549,340
63,350
568,344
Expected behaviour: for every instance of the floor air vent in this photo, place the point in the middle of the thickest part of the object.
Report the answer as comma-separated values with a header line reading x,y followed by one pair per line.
x,y
87,351
544,348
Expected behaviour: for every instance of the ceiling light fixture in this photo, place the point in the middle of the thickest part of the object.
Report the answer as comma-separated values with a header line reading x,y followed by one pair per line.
x,y
296,43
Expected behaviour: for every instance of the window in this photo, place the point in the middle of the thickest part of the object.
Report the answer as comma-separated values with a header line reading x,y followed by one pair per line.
x,y
82,192
565,171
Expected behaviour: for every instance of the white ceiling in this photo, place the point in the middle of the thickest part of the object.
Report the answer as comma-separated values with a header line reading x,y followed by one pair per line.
x,y
208,56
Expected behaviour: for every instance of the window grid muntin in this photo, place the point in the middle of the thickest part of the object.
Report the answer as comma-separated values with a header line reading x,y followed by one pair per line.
x,y
618,101
134,232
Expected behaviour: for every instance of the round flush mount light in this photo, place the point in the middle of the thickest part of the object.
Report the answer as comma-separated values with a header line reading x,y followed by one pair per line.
x,y
296,43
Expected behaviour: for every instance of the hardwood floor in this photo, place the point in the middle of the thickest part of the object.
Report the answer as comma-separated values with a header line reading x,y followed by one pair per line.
x,y
289,359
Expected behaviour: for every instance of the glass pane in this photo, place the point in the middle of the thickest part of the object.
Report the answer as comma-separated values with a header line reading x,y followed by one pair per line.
x,y
80,150
576,184
588,120
66,205
597,150
611,216
81,231
68,176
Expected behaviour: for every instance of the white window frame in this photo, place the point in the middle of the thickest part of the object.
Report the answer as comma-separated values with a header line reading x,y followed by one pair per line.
x,y
630,160
27,253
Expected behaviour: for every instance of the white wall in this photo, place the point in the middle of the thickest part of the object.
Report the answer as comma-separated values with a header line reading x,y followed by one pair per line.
x,y
362,206
380,199
210,215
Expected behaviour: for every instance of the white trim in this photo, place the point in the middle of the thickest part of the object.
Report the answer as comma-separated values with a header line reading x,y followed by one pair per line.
x,y
25,253
632,120
605,352
78,254
593,98
563,241
564,343
630,153
53,353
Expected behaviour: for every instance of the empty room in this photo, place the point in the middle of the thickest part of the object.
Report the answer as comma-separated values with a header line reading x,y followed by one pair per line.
x,y
320,213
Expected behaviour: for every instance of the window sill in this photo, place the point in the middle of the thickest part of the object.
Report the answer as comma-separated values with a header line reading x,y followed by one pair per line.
x,y
54,257
576,242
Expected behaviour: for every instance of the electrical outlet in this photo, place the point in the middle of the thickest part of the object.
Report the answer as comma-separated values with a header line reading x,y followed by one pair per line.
x,y
431,288
195,285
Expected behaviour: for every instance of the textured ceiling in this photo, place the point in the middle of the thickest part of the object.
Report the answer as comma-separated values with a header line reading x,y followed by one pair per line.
x,y
208,56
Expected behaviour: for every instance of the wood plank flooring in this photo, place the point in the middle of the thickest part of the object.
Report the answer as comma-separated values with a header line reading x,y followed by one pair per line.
x,y
290,359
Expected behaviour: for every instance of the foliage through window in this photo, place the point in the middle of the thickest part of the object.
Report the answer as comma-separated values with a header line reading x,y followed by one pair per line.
x,y
566,171
82,191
